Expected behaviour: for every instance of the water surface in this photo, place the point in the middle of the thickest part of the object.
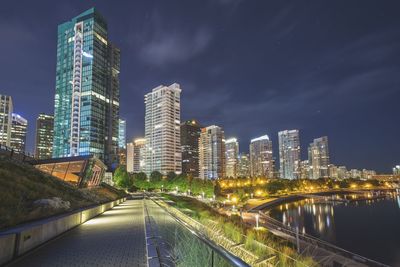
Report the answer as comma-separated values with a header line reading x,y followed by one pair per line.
x,y
369,228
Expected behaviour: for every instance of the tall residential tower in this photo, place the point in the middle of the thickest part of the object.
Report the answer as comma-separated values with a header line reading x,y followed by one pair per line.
x,y
231,157
318,157
190,134
19,126
212,153
86,110
162,130
289,154
261,160
6,110
44,136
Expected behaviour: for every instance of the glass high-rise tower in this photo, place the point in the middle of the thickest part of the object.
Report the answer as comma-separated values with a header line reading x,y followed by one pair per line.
x,y
44,136
6,109
86,110
289,154
19,126
318,157
261,160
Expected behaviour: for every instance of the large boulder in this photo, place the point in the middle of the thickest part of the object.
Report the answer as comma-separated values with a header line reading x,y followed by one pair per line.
x,y
54,203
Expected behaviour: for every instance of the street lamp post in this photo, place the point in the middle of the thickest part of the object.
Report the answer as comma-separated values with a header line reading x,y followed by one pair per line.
x,y
176,190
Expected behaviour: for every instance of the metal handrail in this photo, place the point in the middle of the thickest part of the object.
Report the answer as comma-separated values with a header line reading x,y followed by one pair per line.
x,y
321,243
232,259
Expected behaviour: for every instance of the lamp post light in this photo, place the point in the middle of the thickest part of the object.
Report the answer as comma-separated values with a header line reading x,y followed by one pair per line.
x,y
202,193
257,218
176,189
162,188
189,192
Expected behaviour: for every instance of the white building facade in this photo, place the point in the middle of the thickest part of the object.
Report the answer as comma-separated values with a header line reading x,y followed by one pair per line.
x,y
162,130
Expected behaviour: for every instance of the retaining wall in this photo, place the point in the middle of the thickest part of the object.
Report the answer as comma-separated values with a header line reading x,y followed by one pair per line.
x,y
16,241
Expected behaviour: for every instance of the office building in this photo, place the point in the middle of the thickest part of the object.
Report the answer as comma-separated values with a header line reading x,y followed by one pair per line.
x,y
261,160
355,174
44,136
86,109
318,156
289,154
333,171
122,134
367,174
129,157
244,165
136,152
6,110
190,134
162,130
212,153
19,127
342,172
231,157
304,169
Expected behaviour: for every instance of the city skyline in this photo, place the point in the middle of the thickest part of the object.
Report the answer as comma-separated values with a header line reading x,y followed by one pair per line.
x,y
348,146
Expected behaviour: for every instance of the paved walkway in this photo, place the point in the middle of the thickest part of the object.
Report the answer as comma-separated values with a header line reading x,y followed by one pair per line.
x,y
115,238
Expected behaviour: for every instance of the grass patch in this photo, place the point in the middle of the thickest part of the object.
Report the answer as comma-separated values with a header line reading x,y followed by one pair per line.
x,y
21,184
260,242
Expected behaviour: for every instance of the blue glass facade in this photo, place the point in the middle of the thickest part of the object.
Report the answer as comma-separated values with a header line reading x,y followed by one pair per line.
x,y
86,110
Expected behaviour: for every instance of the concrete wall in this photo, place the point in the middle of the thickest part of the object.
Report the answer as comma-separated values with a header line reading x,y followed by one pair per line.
x,y
15,242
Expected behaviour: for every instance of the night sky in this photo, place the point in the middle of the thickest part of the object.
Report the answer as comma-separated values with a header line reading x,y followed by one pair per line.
x,y
253,67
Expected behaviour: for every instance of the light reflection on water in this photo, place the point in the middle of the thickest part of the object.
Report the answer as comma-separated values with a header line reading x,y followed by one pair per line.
x,y
368,227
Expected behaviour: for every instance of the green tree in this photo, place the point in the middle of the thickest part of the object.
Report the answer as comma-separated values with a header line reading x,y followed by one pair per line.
x,y
171,176
155,177
141,176
122,178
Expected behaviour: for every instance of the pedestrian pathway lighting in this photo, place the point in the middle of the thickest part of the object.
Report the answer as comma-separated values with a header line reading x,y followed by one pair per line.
x,y
189,192
162,188
202,193
176,188
257,218
234,199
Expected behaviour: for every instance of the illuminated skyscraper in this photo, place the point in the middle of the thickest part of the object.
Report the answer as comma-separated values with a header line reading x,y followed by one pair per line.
x,y
244,165
86,110
122,134
231,156
162,130
289,154
6,110
318,157
136,152
19,126
190,134
212,153
261,160
44,136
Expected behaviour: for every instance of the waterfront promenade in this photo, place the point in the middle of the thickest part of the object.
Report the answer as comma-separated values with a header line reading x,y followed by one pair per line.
x,y
115,238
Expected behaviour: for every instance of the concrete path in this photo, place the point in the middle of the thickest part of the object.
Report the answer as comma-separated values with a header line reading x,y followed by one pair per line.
x,y
115,238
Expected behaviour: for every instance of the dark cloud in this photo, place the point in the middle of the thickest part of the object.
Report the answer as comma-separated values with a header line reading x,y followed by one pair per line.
x,y
252,67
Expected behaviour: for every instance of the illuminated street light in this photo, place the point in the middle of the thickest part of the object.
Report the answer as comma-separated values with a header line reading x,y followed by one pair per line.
x,y
257,218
